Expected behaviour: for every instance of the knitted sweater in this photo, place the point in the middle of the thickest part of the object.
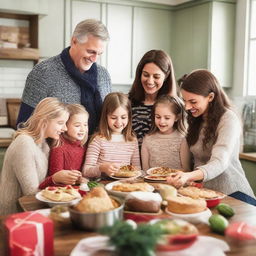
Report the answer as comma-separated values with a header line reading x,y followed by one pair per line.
x,y
168,150
220,163
49,78
116,150
24,168
68,156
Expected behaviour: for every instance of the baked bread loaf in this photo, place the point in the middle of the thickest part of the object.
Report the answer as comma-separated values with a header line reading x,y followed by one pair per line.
x,y
204,193
185,205
97,200
143,202
60,194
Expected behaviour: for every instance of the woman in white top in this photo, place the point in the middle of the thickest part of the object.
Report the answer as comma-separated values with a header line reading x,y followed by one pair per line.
x,y
214,134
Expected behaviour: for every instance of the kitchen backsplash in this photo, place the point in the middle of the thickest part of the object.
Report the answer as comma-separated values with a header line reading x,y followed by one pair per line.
x,y
13,77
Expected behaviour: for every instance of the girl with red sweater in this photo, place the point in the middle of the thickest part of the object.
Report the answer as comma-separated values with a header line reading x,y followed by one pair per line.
x,y
69,152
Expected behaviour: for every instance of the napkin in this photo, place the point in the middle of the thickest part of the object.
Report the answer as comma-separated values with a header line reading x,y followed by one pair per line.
x,y
204,245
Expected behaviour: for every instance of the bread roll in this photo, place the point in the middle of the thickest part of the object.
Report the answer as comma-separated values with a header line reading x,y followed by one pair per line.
x,y
143,202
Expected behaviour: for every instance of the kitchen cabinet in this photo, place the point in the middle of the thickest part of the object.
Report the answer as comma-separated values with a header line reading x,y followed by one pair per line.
x,y
134,29
51,30
203,37
250,172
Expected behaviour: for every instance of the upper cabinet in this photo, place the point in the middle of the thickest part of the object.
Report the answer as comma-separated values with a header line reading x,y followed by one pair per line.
x,y
203,37
134,29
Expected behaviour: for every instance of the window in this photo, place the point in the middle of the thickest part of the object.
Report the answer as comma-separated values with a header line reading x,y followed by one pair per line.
x,y
251,84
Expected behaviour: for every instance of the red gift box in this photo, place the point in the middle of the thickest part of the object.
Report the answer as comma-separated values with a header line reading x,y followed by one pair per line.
x,y
29,233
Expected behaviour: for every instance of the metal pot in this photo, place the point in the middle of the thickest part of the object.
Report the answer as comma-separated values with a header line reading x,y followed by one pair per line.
x,y
94,221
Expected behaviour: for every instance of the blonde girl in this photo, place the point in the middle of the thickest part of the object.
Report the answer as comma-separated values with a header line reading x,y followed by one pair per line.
x,y
26,159
166,144
69,152
115,143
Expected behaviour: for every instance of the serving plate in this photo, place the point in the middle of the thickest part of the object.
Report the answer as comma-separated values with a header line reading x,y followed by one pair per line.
x,y
155,178
153,169
138,174
51,203
195,218
110,185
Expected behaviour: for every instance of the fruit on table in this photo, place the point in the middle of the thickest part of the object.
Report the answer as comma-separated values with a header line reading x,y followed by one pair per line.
x,y
225,210
218,223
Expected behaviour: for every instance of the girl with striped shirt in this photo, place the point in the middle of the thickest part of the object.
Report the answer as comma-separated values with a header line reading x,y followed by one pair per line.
x,y
115,144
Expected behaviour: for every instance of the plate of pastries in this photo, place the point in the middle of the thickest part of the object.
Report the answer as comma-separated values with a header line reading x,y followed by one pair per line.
x,y
54,195
159,173
126,171
123,188
212,197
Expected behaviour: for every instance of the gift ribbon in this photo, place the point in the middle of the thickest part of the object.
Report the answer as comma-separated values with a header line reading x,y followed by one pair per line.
x,y
39,248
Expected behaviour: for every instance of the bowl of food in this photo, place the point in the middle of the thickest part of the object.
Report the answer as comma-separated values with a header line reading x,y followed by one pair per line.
x,y
97,209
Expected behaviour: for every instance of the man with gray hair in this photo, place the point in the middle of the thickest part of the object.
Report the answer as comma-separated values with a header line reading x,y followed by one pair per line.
x,y
72,76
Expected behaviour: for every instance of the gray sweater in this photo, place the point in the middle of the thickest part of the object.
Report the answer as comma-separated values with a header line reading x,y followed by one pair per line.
x,y
220,164
25,167
50,79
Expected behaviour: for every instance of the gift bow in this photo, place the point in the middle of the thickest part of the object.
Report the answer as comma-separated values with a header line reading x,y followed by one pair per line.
x,y
39,248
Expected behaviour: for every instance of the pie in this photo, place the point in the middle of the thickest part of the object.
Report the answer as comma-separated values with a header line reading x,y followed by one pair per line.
x,y
185,205
204,193
126,171
157,177
165,171
129,187
60,194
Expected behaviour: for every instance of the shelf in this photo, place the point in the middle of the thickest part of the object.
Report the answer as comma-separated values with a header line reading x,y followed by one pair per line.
x,y
19,54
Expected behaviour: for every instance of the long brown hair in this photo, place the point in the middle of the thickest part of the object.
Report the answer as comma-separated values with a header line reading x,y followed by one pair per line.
x,y
47,109
176,106
164,62
111,102
203,82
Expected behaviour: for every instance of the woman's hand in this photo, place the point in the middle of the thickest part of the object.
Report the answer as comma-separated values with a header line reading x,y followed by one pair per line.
x,y
66,177
109,168
178,179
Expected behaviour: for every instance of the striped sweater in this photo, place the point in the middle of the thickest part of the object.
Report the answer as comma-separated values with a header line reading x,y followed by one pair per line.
x,y
116,150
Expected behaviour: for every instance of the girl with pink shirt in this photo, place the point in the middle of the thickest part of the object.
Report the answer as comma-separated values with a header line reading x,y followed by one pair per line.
x,y
114,144
166,145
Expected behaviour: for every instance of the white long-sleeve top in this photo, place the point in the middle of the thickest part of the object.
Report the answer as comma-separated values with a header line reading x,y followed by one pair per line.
x,y
220,163
25,167
116,150
167,150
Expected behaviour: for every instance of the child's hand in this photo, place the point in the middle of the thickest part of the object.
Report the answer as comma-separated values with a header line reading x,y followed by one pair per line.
x,y
109,168
66,177
178,179
82,180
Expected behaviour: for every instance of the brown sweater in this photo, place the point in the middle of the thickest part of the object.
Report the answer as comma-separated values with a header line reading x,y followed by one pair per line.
x,y
24,168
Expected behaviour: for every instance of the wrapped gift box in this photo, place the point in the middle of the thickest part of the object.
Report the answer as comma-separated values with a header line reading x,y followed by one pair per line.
x,y
29,233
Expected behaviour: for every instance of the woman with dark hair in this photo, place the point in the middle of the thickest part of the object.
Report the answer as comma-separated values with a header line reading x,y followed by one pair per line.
x,y
154,77
213,137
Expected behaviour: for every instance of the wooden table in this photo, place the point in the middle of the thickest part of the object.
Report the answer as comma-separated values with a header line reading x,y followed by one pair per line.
x,y
66,237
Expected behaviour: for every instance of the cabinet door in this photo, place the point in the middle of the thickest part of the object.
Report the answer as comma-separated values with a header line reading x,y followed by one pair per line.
x,y
51,30
119,22
152,30
190,38
222,42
